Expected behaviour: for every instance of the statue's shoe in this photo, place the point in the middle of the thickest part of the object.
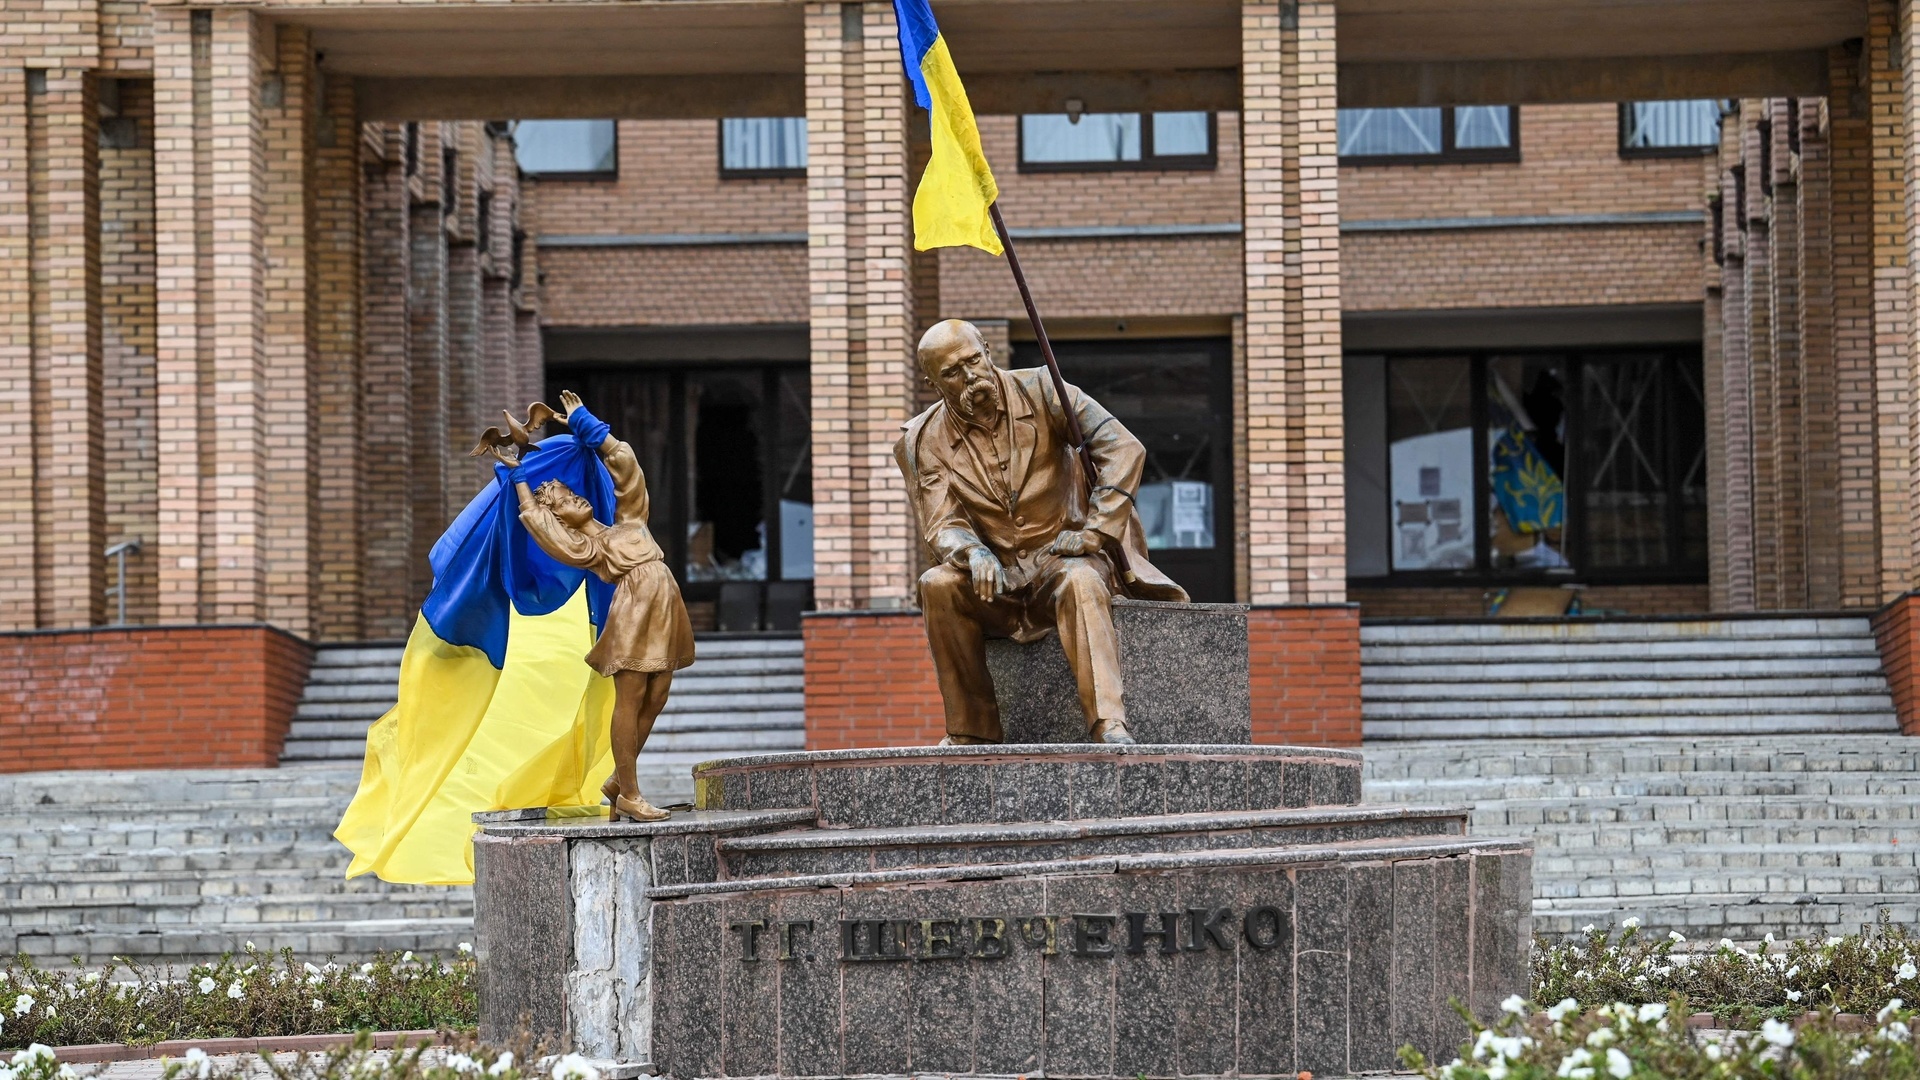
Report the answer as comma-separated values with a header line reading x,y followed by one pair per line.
x,y
966,740
637,809
1111,732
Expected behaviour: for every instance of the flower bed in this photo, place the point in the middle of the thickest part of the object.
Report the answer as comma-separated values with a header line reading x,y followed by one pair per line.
x,y
248,996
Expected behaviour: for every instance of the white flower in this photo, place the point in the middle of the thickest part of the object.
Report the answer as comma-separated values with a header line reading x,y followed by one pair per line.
x,y
1632,922
1652,1011
316,979
33,1055
406,957
1793,995
1514,1004
53,1011
1587,929
466,946
22,1004
1618,1064
1859,1057
65,1072
501,1064
1726,943
1792,971
574,1067
366,969
1712,1050
1769,938
1777,1033
1600,1037
1575,1065
1896,1032
236,991
311,970
1832,941
198,1063
1495,1071
1566,1008
1676,936
207,984
462,1063
90,978
1905,972
249,946
1892,1006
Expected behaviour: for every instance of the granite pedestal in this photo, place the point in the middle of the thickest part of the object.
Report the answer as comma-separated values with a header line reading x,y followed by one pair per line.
x,y
1183,666
1058,910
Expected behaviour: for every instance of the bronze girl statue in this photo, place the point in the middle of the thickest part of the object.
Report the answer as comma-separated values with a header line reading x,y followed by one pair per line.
x,y
647,636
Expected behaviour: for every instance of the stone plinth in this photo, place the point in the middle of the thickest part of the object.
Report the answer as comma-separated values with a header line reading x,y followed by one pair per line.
x,y
1057,910
1184,667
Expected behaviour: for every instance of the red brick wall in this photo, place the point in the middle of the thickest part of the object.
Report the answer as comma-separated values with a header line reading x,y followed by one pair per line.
x,y
870,679
148,697
1899,634
1304,667
1470,602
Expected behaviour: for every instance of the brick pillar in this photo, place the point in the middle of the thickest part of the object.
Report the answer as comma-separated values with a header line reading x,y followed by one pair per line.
x,y
1821,522
427,365
182,77
1756,128
287,415
1733,578
464,477
1850,141
1789,451
340,450
63,226
19,584
1295,482
860,304
1893,375
386,525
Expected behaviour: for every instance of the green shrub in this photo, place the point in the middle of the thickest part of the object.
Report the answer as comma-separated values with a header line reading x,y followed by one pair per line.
x,y
252,995
1859,973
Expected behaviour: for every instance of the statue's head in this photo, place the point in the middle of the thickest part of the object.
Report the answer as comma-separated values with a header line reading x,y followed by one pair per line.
x,y
956,360
571,509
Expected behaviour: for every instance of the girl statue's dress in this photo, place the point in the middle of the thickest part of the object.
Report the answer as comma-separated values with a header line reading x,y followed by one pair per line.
x,y
647,628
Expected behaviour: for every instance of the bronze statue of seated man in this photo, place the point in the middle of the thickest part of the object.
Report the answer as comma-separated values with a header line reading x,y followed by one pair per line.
x,y
1021,543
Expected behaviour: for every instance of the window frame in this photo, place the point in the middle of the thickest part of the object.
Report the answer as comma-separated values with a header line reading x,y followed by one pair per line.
x,y
588,174
1643,153
1675,571
1149,162
720,154
1449,153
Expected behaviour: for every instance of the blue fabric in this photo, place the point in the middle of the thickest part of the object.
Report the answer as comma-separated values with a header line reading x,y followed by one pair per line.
x,y
486,564
589,430
1529,493
917,31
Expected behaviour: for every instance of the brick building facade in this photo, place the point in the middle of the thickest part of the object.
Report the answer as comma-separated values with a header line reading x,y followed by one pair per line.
x,y
270,265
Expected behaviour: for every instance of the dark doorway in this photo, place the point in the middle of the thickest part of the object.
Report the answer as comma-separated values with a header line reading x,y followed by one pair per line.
x,y
725,448
1175,395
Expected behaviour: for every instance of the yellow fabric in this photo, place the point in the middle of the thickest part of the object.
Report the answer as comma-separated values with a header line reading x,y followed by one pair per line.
x,y
950,207
465,738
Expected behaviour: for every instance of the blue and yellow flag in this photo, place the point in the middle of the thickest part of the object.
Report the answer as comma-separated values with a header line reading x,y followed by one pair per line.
x,y
950,208
498,709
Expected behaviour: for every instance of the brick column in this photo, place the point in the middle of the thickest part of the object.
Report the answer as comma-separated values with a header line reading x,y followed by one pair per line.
x,y
63,225
19,584
1295,480
1850,140
1789,449
464,355
427,360
386,526
340,450
860,305
126,334
1893,374
1732,525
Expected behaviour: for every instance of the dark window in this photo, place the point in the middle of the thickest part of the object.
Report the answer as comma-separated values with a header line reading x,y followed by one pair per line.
x,y
410,147
449,180
1516,466
759,146
566,149
1669,128
1060,142
1461,133
483,220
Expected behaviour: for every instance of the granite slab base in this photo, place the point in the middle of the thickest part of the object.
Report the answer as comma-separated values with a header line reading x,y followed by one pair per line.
x,y
1077,934
1183,668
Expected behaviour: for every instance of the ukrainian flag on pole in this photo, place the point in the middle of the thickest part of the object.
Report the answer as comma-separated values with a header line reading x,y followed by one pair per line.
x,y
950,209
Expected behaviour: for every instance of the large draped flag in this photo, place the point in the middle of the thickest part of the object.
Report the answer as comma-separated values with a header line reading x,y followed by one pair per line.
x,y
497,708
950,208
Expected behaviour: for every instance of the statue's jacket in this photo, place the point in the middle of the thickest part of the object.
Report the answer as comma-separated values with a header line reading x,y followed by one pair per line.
x,y
956,509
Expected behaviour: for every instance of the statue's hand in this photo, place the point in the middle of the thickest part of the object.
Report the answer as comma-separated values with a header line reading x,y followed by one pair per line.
x,y
569,401
508,454
989,577
1072,542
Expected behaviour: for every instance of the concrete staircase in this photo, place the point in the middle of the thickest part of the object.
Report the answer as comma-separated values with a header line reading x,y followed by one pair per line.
x,y
1797,835
743,695
1622,677
178,866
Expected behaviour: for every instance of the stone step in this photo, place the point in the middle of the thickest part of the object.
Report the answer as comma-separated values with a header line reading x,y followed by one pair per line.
x,y
1639,835
368,710
1704,670
1591,726
1028,782
1708,917
1728,688
736,740
1832,882
837,851
63,793
1480,790
1606,630
317,862
1553,811
381,654
210,910
131,883
1663,756
315,940
1854,858
1783,650
1439,706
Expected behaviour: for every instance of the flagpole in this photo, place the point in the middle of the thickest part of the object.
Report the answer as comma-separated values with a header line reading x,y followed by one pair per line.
x,y
1074,435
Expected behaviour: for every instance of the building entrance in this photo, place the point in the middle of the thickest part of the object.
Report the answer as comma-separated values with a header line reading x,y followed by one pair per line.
x,y
725,449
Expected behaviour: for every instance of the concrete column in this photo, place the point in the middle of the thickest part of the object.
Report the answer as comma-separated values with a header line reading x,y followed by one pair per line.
x,y
1296,513
860,305
340,450
63,225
